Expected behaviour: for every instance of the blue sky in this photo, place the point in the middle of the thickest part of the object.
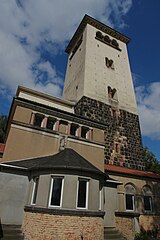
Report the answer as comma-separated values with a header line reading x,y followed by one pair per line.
x,y
34,34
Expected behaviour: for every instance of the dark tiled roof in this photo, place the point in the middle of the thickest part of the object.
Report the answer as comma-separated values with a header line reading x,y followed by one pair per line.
x,y
133,172
67,159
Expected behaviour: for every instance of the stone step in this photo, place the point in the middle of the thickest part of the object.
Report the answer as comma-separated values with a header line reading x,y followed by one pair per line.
x,y
111,233
12,232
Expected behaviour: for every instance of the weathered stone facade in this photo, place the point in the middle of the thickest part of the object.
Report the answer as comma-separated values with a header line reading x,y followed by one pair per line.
x,y
42,226
123,143
125,225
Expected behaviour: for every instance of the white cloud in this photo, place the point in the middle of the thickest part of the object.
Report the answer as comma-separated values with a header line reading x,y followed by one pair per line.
x,y
149,109
28,27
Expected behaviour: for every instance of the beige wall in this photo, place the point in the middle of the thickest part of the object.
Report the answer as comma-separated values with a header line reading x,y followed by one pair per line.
x,y
93,153
22,114
26,143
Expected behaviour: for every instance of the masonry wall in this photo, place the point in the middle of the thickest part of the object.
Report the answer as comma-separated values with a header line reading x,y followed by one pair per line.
x,y
125,226
123,143
39,226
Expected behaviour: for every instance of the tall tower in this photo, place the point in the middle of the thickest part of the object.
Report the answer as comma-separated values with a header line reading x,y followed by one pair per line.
x,y
99,80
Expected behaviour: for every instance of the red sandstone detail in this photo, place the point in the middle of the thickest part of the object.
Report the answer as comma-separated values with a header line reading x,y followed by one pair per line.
x,y
2,147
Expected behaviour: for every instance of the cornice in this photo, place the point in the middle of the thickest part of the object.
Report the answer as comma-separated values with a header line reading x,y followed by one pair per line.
x,y
98,25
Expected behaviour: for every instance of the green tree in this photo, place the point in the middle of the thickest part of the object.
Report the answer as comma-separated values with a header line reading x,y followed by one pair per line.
x,y
151,162
3,122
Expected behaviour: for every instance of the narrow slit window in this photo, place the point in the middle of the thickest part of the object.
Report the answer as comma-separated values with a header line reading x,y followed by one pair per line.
x,y
82,195
56,192
35,190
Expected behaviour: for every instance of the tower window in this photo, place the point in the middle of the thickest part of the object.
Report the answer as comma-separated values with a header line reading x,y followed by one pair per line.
x,y
111,92
109,63
99,35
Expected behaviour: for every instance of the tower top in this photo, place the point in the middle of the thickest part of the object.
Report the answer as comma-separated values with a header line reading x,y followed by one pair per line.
x,y
100,26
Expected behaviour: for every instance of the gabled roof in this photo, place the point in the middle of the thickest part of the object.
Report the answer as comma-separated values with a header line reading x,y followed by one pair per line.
x,y
68,160
130,172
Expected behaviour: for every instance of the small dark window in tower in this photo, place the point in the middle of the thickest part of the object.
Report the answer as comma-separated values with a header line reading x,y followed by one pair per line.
x,y
38,118
111,92
85,132
107,39
74,129
109,63
115,43
99,35
51,123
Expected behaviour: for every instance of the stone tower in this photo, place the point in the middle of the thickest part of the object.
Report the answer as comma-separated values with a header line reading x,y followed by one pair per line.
x,y
99,80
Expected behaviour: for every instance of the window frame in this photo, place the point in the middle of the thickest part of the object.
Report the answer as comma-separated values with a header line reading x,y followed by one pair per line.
x,y
150,203
51,189
34,190
133,202
87,193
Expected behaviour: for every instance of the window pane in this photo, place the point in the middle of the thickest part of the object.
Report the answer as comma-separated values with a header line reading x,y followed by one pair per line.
x,y
147,203
82,194
35,189
129,202
56,192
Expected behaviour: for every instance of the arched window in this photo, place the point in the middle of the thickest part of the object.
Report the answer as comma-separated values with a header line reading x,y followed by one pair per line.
x,y
130,192
147,198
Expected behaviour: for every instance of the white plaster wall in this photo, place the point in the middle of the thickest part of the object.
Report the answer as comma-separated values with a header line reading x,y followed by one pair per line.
x,y
13,190
75,73
98,76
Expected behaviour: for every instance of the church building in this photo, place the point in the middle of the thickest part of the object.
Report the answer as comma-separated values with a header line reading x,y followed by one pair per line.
x,y
72,167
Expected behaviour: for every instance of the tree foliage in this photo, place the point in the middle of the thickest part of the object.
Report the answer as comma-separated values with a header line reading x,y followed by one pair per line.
x,y
3,122
151,162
